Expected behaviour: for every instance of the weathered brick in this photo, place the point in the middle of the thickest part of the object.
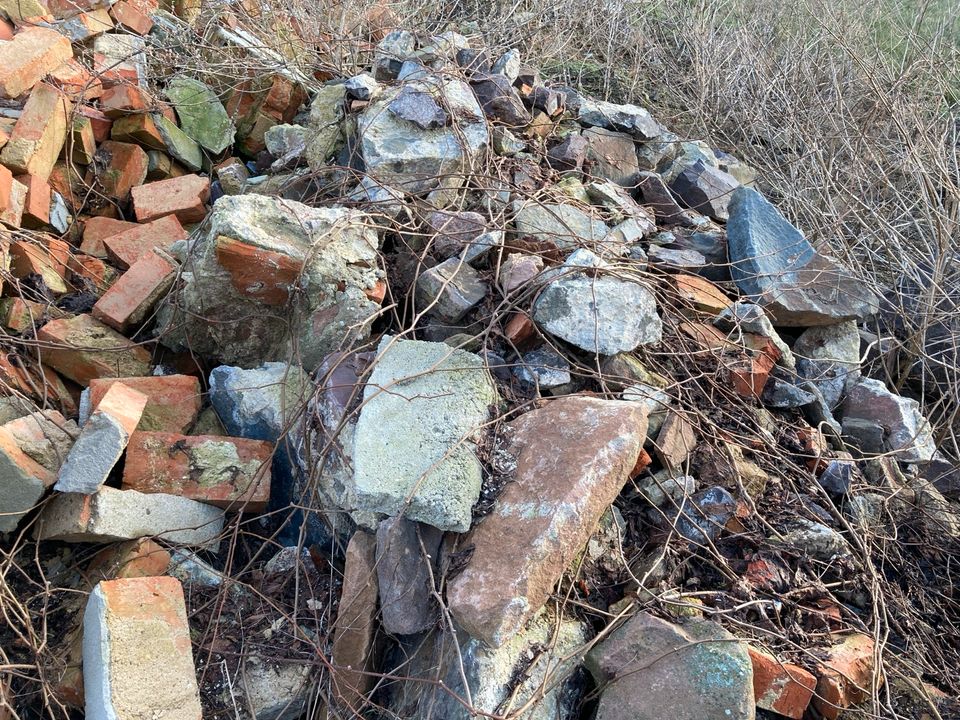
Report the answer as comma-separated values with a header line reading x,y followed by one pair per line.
x,y
31,257
137,657
132,297
118,58
130,16
183,196
258,273
31,54
124,167
13,196
91,274
75,81
161,166
231,473
82,143
19,315
698,296
82,348
138,129
846,676
102,440
100,122
39,134
173,401
125,248
781,687
97,229
749,375
36,208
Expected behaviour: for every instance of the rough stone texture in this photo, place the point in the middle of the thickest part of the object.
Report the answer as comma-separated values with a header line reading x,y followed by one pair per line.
x,y
846,676
543,651
705,189
239,287
420,108
544,370
410,158
173,401
612,155
744,317
137,655
597,313
82,349
450,290
629,119
232,473
407,605
695,671
32,448
499,100
325,135
202,116
829,356
356,624
413,448
902,428
775,266
271,690
102,441
565,226
179,145
573,457
113,514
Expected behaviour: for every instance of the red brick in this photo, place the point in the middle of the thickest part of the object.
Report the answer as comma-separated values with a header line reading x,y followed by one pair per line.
x,y
69,8
643,462
99,121
39,134
698,296
173,401
131,559
846,676
253,142
780,687
183,196
6,30
132,297
36,209
4,135
377,293
6,189
17,314
40,258
66,179
128,15
258,273
113,72
31,54
284,98
11,208
125,167
82,348
520,330
97,229
138,129
125,248
120,100
194,466
749,375
91,273
82,144
76,82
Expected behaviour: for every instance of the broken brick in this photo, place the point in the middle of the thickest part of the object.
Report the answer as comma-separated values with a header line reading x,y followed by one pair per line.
x,y
258,273
102,440
75,81
131,559
82,144
82,348
781,687
6,30
19,315
749,376
183,196
96,275
227,472
131,17
132,297
520,330
100,122
126,247
699,295
846,676
173,401
36,208
33,258
39,134
124,167
13,196
97,229
160,166
32,53
138,129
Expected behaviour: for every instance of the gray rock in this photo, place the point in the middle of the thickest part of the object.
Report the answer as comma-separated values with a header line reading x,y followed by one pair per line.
x,y
655,400
619,203
202,116
478,248
413,448
815,539
780,393
597,313
379,198
418,107
541,656
505,143
705,189
656,195
59,212
837,476
687,260
696,671
286,142
508,64
413,70
313,268
704,515
543,369
449,231
407,602
829,356
566,226
270,690
449,291
774,266
499,100
904,430
397,46
411,158
326,135
664,488
747,317
261,403
612,156
362,87
569,154
99,446
944,475
629,119
818,413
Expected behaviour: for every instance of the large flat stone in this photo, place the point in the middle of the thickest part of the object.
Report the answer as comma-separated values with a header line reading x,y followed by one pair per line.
x,y
413,453
775,266
202,116
572,458
566,226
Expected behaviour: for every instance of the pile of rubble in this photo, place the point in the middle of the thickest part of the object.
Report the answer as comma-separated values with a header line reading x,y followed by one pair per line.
x,y
431,391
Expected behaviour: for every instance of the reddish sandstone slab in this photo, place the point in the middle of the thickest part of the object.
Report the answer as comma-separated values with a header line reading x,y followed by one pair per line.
x,y
173,401
132,298
227,472
183,196
82,348
573,457
781,687
124,249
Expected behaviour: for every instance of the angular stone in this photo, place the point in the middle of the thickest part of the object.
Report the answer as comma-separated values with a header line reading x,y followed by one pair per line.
x,y
412,159
569,154
449,291
775,266
564,480
356,624
413,448
829,356
656,194
903,430
113,514
565,226
499,100
129,246
137,654
173,401
705,189
102,440
629,119
544,370
612,156
704,516
32,53
597,313
183,196
405,575
177,143
202,116
232,473
81,349
262,258
695,671
119,58
39,134
518,270
540,658
743,317
677,439
846,676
